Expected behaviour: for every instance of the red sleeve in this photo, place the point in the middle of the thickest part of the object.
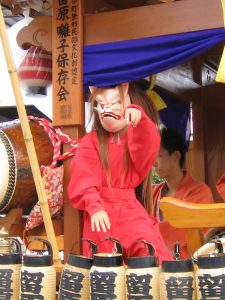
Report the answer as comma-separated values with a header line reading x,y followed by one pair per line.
x,y
84,184
143,143
156,196
220,185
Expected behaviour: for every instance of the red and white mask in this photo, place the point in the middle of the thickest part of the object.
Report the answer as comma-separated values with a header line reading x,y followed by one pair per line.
x,y
110,107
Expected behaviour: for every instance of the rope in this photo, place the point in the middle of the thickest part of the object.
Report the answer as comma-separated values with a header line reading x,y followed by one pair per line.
x,y
57,138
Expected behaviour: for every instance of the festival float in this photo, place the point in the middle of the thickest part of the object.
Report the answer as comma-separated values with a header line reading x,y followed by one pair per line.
x,y
176,48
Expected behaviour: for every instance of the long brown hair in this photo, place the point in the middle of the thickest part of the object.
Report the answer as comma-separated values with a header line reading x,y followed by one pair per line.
x,y
139,97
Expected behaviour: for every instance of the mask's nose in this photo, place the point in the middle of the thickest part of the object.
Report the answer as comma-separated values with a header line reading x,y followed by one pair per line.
x,y
104,106
107,105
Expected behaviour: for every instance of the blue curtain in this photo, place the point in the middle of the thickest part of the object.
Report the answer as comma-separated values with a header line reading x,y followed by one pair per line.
x,y
113,63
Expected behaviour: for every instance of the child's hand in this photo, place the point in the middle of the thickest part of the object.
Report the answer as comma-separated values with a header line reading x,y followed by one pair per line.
x,y
132,116
100,220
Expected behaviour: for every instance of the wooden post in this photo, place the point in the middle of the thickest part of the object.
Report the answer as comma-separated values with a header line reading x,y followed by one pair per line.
x,y
68,96
67,63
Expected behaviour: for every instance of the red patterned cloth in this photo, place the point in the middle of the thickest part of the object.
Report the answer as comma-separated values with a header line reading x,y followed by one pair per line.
x,y
53,185
52,176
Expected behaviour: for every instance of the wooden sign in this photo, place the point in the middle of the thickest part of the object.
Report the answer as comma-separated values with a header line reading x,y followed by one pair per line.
x,y
67,63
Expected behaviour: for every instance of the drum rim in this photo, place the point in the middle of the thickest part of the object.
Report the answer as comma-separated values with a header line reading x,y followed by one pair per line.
x,y
12,171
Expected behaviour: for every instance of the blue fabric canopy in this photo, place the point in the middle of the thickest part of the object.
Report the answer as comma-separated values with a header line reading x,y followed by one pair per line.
x,y
116,62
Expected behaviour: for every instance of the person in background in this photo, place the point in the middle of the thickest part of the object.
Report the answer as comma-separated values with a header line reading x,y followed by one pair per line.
x,y
178,183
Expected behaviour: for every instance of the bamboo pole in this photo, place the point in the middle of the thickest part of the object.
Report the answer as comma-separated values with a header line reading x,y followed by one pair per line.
x,y
29,141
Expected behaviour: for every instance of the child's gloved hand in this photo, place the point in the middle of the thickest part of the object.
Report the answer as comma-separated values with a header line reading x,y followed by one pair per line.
x,y
100,220
132,116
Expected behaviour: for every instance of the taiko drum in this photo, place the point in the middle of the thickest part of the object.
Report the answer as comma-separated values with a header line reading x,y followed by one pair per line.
x,y
17,187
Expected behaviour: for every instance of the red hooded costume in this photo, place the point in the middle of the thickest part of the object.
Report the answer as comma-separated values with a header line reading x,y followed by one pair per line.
x,y
88,189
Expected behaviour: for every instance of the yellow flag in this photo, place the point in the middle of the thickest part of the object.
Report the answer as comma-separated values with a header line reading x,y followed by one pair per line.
x,y
156,99
220,77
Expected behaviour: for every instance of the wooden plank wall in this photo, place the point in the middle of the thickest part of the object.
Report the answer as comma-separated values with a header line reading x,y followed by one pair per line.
x,y
206,157
214,134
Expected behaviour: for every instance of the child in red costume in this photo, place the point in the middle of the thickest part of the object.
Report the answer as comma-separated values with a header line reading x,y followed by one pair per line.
x,y
111,161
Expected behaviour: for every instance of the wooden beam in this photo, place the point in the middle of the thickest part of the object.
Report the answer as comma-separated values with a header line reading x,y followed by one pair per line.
x,y
192,217
94,6
153,20
183,214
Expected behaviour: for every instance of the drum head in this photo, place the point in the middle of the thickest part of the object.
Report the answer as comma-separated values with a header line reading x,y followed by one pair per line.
x,y
8,171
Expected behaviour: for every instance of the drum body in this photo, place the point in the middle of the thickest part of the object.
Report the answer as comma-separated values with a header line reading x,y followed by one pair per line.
x,y
17,188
